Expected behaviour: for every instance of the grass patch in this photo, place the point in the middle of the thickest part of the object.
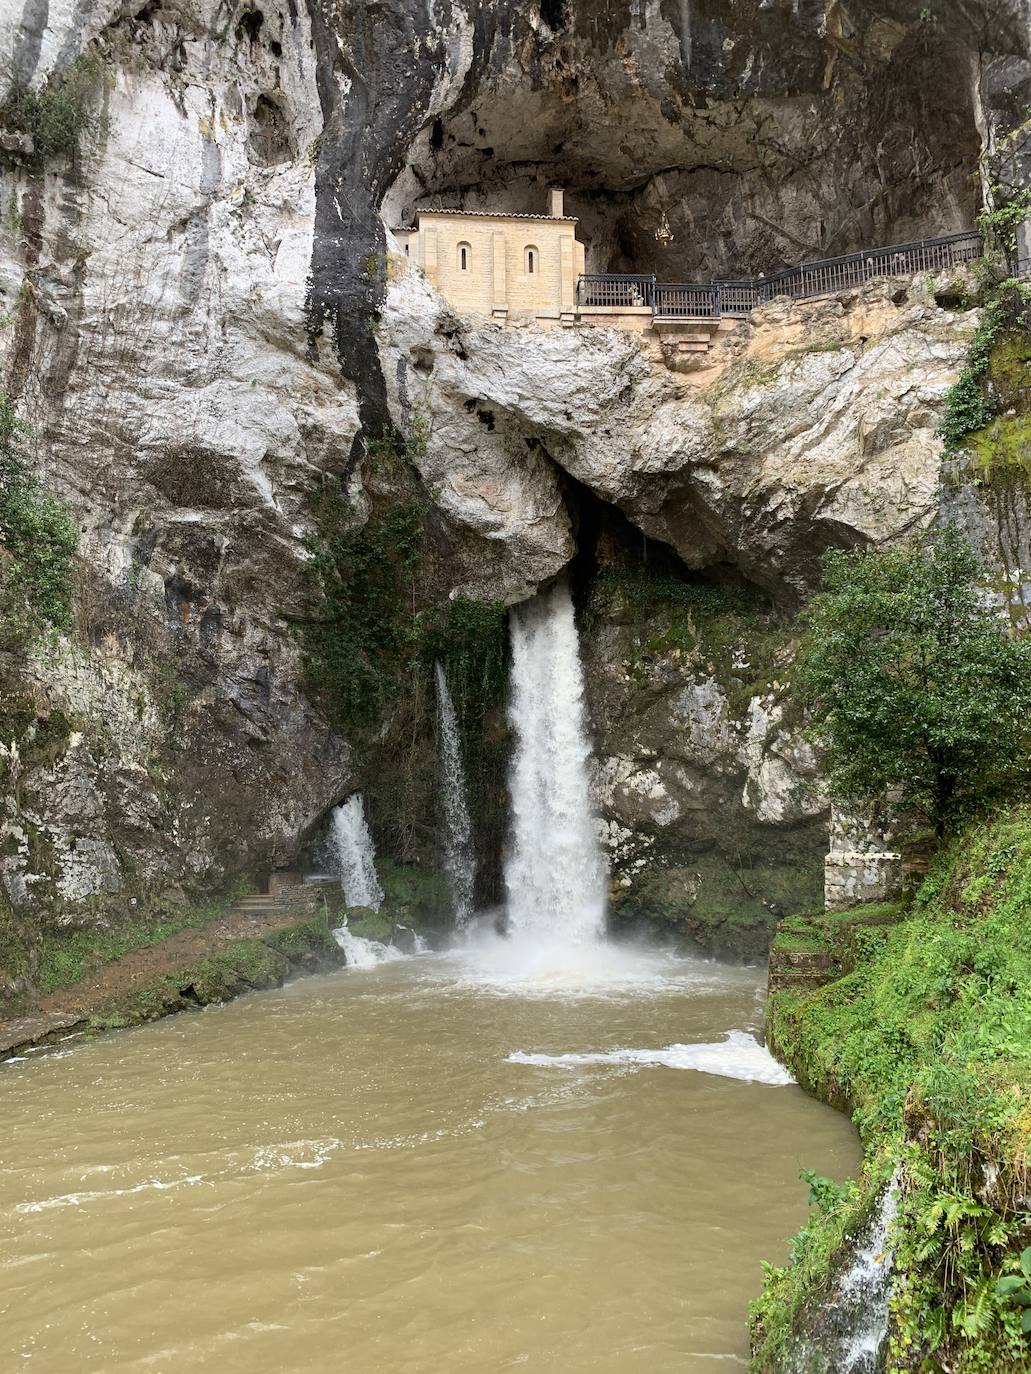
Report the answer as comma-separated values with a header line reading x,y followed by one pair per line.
x,y
65,959
242,966
798,942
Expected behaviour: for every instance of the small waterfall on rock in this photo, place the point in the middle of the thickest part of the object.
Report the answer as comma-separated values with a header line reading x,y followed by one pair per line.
x,y
858,1311
866,1289
459,858
556,876
355,854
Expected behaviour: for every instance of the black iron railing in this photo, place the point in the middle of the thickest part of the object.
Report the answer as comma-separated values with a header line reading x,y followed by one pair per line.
x,y
712,300
615,290
687,300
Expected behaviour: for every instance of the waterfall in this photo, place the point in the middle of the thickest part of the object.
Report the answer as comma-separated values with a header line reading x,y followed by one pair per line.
x,y
355,855
857,1313
459,859
556,875
865,1291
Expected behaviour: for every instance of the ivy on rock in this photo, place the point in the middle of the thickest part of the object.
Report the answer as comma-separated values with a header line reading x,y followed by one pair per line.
x,y
38,542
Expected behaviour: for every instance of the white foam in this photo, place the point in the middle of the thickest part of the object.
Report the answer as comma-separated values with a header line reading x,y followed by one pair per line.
x,y
77,1199
739,1056
580,969
362,953
295,1154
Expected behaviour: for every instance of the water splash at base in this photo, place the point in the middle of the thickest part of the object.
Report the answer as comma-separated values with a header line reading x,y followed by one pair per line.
x,y
363,953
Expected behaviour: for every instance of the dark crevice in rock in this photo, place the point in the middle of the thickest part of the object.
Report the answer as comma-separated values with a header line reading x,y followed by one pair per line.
x,y
249,25
553,12
271,142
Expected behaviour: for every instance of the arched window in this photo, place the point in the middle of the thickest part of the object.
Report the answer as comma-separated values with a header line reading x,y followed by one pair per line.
x,y
532,259
465,257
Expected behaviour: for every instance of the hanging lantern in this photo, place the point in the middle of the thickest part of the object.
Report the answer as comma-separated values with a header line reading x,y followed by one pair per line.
x,y
664,233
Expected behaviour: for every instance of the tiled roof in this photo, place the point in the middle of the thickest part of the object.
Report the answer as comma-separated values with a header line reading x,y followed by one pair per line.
x,y
484,214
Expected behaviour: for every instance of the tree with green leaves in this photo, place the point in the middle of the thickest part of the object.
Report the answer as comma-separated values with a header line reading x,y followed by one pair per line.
x,y
914,685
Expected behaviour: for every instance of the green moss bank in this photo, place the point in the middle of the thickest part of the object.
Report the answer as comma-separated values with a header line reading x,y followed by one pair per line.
x,y
924,1034
234,967
242,966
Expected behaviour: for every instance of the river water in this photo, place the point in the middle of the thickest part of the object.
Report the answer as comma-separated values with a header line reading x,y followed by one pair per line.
x,y
354,1173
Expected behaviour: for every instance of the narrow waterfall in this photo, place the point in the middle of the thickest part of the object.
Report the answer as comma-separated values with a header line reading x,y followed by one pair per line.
x,y
556,875
459,858
355,854
857,1313
865,1291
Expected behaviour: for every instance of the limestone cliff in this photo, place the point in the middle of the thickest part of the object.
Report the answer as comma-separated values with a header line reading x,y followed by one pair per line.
x,y
203,331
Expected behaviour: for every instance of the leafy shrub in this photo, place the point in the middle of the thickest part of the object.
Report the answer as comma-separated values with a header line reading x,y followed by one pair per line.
x,y
1017,1288
38,538
61,114
1003,222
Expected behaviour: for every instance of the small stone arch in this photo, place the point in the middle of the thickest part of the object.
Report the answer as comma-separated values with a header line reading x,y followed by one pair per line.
x,y
464,257
531,260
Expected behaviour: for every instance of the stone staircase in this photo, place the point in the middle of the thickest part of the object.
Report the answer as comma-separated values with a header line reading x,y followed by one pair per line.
x,y
810,951
685,342
288,895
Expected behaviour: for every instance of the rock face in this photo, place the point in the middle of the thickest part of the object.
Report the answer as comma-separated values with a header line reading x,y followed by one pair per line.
x,y
203,328
156,348
713,809
811,424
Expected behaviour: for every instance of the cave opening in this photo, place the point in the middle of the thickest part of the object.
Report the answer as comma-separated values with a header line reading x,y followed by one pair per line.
x,y
726,176
271,141
608,542
249,26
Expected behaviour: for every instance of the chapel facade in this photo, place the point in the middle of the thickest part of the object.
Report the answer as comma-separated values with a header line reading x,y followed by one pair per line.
x,y
503,266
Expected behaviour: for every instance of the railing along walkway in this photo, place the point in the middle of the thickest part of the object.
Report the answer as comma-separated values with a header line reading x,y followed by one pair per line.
x,y
715,299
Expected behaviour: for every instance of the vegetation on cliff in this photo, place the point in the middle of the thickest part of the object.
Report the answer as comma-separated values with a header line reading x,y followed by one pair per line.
x,y
914,687
38,542
378,615
61,113
927,1039
994,378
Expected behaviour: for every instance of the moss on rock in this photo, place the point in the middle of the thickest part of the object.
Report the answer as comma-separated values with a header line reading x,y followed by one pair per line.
x,y
924,1033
